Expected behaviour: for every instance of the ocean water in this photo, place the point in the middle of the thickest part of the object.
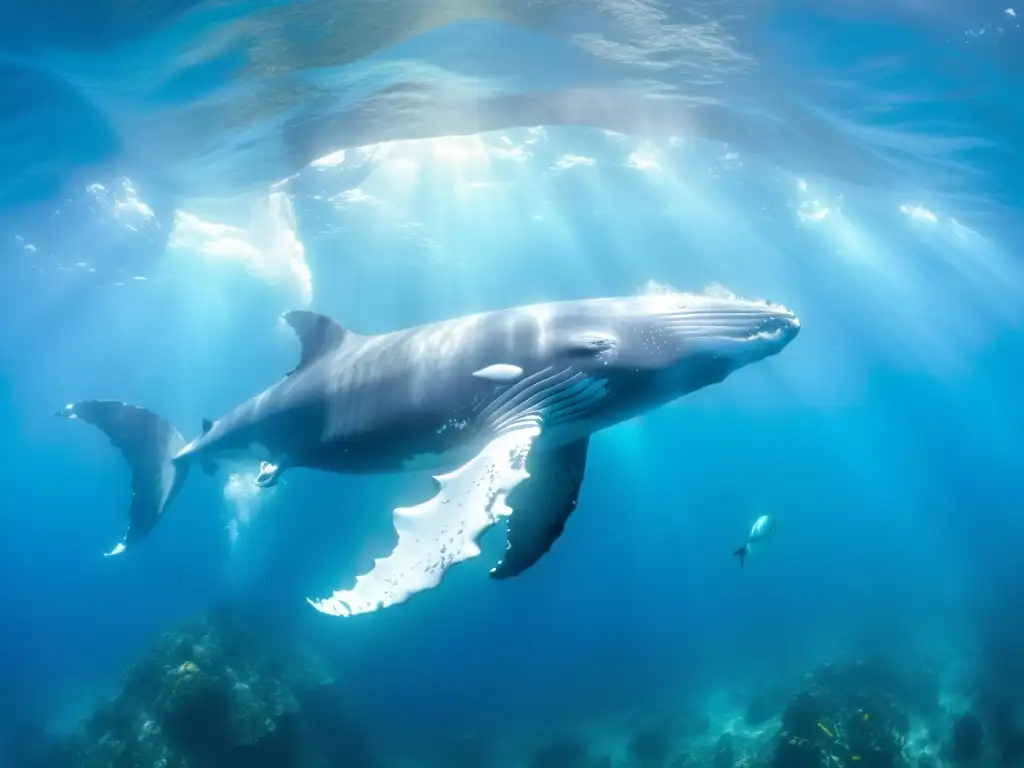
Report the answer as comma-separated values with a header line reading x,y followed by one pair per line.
x,y
174,176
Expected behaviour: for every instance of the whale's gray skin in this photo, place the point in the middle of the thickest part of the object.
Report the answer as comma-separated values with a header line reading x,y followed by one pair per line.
x,y
512,396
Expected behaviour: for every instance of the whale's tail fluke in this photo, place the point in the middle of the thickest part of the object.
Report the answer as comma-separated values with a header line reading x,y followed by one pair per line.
x,y
149,443
742,553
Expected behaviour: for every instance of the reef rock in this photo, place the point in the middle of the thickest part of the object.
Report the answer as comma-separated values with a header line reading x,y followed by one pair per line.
x,y
209,693
848,714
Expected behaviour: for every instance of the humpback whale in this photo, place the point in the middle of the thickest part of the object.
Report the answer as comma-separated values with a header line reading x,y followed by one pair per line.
x,y
501,404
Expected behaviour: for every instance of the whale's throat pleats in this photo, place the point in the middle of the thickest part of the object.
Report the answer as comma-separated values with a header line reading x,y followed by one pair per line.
x,y
554,396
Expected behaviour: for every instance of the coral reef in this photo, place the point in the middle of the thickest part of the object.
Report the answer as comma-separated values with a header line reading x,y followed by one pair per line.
x,y
844,714
998,700
689,743
473,750
650,748
212,693
567,752
849,714
968,739
215,694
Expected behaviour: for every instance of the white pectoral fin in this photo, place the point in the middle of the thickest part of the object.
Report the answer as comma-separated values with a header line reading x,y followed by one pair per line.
x,y
435,535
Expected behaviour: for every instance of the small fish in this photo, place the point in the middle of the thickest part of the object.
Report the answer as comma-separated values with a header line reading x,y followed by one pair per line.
x,y
763,527
826,730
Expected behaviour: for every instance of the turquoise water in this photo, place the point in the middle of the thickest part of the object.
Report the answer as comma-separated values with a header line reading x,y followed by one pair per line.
x,y
177,175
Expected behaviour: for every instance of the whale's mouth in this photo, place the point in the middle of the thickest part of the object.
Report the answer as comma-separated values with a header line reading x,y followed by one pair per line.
x,y
737,331
734,324
774,328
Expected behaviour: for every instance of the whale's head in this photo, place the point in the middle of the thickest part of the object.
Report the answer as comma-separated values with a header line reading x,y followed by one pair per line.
x,y
730,330
683,342
598,362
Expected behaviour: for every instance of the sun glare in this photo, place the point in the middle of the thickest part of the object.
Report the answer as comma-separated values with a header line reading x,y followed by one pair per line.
x,y
435,200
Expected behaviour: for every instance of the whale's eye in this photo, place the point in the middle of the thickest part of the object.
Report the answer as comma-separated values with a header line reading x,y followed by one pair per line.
x,y
591,344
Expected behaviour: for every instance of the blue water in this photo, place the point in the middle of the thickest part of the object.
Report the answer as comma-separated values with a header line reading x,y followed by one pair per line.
x,y
162,203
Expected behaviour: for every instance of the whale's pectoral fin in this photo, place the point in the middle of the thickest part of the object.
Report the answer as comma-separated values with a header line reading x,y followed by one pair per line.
x,y
541,505
149,444
317,334
435,535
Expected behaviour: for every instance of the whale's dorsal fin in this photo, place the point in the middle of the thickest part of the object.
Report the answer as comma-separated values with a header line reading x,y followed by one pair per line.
x,y
317,334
